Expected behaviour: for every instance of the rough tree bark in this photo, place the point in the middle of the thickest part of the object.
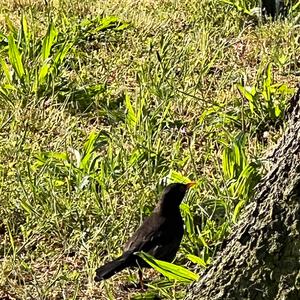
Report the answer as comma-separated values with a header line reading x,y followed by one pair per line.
x,y
261,259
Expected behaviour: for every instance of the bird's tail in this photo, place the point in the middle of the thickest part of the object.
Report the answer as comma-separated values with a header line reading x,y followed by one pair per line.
x,y
113,267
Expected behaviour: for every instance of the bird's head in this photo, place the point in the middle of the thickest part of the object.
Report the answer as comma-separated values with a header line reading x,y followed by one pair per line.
x,y
173,195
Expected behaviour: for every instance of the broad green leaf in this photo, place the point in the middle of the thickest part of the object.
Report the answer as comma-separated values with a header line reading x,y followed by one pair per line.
x,y
15,57
122,27
215,109
268,80
237,210
228,163
131,116
237,154
188,218
172,271
267,83
277,111
43,72
197,260
58,183
88,150
48,41
6,70
93,164
25,32
10,25
107,23
245,93
56,155
177,177
61,53
89,144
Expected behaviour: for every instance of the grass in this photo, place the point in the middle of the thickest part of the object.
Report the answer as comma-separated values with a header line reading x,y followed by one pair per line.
x,y
103,102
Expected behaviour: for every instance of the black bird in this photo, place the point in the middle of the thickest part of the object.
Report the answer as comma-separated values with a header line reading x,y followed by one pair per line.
x,y
274,8
159,235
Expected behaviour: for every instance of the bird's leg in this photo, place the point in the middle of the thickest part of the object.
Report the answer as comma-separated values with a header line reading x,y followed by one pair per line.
x,y
141,283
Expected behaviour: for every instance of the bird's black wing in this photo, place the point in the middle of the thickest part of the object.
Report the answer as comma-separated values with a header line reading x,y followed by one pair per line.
x,y
157,236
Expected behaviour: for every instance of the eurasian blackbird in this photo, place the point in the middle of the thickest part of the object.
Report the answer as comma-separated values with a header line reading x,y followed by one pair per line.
x,y
159,235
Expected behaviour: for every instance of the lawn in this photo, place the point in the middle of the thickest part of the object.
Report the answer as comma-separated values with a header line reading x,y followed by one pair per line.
x,y
102,104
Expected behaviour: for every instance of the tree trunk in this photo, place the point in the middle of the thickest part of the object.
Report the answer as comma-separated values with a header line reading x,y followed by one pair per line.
x,y
261,259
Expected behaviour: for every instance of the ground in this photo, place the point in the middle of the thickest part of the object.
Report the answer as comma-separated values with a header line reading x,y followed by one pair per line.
x,y
102,103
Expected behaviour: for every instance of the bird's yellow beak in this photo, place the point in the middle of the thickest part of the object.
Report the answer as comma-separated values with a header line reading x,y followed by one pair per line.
x,y
190,184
